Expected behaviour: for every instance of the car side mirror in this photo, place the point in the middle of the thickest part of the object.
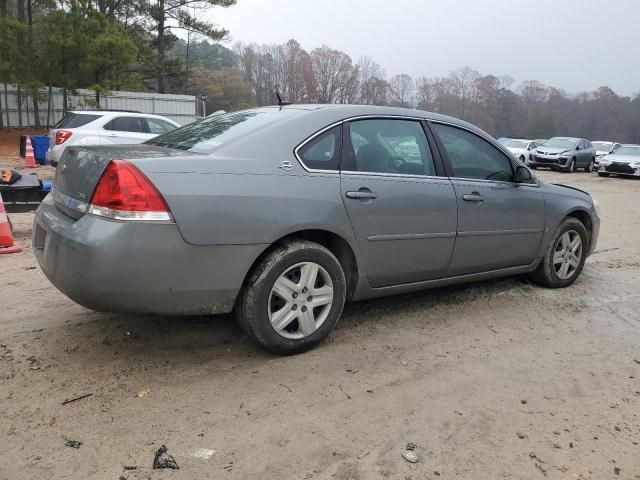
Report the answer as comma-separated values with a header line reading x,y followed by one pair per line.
x,y
522,175
578,147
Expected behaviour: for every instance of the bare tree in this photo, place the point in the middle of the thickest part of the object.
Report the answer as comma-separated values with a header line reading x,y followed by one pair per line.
x,y
402,90
333,72
463,81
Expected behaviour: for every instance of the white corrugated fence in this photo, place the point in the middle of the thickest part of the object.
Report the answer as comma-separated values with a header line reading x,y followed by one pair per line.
x,y
180,108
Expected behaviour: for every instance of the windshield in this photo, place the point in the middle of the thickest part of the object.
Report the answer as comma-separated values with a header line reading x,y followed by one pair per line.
x,y
516,144
629,150
602,146
561,143
212,132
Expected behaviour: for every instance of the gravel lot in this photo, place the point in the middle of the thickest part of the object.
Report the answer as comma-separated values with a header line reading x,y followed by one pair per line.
x,y
499,379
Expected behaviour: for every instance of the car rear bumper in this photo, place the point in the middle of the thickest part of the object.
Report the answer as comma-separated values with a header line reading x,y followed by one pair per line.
x,y
137,267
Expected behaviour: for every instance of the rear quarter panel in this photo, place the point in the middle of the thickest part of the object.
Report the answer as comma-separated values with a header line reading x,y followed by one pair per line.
x,y
217,201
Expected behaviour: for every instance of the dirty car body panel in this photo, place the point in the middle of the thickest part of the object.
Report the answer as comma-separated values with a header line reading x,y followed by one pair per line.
x,y
230,201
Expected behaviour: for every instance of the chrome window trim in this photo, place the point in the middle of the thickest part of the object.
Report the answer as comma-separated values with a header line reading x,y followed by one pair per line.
x,y
393,175
340,122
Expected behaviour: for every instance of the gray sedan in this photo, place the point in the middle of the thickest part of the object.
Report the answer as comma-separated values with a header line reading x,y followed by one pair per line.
x,y
282,214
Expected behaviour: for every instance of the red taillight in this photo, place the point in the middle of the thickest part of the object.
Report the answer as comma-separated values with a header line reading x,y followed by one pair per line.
x,y
124,193
62,136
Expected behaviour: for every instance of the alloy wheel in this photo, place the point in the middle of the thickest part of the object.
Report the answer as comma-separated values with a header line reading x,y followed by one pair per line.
x,y
567,254
300,300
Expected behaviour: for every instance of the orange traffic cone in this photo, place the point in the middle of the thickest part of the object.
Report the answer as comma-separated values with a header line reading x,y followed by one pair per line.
x,y
6,237
29,157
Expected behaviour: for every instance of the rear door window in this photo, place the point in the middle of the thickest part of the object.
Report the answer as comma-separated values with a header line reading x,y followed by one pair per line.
x,y
75,120
389,146
127,124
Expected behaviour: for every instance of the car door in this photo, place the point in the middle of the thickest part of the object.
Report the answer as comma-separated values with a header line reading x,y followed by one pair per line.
x,y
125,129
403,214
500,222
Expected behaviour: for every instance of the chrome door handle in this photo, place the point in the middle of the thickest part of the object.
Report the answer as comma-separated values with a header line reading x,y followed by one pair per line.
x,y
362,195
473,197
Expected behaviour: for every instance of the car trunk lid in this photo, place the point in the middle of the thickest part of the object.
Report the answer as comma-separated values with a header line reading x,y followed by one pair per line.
x,y
81,167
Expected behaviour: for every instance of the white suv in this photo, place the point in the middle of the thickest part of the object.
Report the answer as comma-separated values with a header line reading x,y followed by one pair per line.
x,y
104,127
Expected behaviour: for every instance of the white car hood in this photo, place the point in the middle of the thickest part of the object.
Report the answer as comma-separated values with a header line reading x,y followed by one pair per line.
x,y
622,158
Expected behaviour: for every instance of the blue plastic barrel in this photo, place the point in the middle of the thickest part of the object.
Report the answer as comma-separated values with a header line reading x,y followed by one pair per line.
x,y
40,144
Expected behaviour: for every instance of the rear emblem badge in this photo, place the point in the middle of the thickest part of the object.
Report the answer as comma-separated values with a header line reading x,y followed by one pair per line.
x,y
286,165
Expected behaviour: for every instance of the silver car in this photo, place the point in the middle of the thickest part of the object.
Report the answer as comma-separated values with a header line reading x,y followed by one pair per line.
x,y
565,154
624,161
284,213
602,150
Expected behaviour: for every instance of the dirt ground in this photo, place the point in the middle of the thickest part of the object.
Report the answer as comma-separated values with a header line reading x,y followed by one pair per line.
x,y
499,379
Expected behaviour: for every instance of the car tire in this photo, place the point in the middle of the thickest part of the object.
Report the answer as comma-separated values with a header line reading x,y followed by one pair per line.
x,y
533,167
262,304
589,167
572,166
603,174
550,272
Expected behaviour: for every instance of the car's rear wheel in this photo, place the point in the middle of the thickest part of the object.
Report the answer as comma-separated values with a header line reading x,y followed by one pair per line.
x,y
603,174
565,255
293,298
589,166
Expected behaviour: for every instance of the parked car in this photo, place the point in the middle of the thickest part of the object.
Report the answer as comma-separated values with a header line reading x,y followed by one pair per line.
x,y
103,127
602,149
521,148
283,214
624,161
564,153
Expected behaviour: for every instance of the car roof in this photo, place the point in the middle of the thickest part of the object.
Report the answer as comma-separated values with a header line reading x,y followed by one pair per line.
x,y
332,113
568,138
107,113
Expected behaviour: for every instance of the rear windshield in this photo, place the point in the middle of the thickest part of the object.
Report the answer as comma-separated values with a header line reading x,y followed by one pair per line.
x,y
75,120
208,134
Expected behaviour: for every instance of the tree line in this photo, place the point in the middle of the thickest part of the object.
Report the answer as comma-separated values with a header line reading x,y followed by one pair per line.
x,y
135,45
494,103
98,44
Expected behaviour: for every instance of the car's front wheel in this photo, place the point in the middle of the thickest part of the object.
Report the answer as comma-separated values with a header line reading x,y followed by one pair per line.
x,y
293,298
572,166
603,174
565,256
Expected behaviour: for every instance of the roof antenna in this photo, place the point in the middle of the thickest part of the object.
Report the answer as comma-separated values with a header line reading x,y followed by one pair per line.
x,y
281,102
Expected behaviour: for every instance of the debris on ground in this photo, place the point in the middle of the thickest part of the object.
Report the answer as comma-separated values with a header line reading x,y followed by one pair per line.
x,y
71,400
616,470
521,435
411,446
164,460
143,393
205,453
410,456
72,443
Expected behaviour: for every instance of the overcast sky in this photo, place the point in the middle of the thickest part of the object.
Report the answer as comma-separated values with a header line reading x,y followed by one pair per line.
x,y
576,45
